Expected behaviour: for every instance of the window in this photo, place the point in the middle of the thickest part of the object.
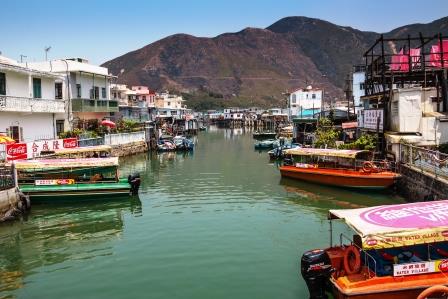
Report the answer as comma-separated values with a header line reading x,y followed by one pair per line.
x,y
59,126
144,98
313,96
361,86
97,92
103,92
293,99
37,88
78,90
58,91
307,96
168,103
16,132
2,84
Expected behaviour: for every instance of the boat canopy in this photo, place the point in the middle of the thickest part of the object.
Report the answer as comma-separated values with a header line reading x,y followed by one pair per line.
x,y
350,154
49,164
398,225
86,149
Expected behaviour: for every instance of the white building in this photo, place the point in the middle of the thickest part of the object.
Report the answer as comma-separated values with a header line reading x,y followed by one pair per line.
x,y
86,87
358,88
305,99
31,102
234,113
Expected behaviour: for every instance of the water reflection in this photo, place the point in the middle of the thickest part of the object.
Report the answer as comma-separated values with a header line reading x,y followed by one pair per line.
x,y
323,198
56,234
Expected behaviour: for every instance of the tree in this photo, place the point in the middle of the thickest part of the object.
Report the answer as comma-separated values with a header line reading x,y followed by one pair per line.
x,y
326,134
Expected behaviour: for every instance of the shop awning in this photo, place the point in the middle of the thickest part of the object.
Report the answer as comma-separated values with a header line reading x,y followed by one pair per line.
x,y
398,225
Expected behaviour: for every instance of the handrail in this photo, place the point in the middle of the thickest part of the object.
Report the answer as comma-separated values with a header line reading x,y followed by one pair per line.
x,y
341,236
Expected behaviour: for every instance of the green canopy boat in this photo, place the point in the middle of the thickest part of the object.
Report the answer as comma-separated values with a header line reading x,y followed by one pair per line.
x,y
61,179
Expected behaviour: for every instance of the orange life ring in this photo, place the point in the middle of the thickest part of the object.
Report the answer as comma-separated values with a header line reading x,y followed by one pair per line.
x,y
352,260
368,166
433,290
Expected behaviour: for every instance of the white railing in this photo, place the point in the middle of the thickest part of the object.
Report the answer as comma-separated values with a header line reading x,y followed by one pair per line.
x,y
23,104
123,138
424,159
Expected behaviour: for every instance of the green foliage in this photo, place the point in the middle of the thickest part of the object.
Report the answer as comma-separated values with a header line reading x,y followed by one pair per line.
x,y
365,142
126,125
71,134
326,134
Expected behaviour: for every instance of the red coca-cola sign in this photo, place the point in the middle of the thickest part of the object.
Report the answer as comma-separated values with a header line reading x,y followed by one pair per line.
x,y
443,266
16,151
70,142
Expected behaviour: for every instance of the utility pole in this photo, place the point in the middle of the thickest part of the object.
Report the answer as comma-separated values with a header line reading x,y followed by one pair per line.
x,y
348,92
21,57
47,49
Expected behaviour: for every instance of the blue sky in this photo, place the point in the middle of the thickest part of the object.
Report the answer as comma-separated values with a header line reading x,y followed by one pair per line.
x,y
101,30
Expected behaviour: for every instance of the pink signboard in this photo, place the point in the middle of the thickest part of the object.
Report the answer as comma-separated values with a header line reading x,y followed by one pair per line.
x,y
417,215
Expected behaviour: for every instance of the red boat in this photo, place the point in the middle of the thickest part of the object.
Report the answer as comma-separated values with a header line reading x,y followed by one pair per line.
x,y
343,168
398,251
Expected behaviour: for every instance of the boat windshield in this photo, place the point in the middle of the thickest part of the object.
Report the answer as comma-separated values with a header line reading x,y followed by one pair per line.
x,y
76,170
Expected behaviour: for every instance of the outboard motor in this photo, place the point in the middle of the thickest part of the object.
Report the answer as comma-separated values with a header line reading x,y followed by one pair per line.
x,y
134,181
316,270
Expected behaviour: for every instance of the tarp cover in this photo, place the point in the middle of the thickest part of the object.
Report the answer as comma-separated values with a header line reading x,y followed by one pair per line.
x,y
398,225
350,154
65,163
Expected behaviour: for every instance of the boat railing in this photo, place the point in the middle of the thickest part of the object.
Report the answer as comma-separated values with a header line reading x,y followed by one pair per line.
x,y
366,255
381,165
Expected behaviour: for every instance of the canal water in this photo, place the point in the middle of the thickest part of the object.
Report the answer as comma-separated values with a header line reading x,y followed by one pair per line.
x,y
216,223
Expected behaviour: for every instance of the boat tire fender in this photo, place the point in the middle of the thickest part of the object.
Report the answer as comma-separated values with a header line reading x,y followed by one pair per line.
x,y
352,260
368,167
437,289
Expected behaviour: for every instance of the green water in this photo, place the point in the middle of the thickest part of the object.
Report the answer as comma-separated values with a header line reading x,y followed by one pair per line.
x,y
217,223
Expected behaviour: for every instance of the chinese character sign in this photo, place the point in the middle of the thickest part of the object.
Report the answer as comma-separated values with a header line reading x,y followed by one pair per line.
x,y
370,119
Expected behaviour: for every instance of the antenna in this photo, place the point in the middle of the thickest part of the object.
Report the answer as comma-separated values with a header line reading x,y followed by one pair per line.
x,y
21,57
46,49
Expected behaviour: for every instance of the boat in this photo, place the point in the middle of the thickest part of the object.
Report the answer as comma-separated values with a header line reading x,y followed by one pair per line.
x,y
267,144
60,179
398,251
202,128
183,144
166,145
264,135
342,168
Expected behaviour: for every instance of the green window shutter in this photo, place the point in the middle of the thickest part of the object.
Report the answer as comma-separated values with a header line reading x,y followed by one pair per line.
x,y
37,88
2,84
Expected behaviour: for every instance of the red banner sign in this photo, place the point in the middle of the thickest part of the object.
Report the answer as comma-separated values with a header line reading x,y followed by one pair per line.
x,y
16,151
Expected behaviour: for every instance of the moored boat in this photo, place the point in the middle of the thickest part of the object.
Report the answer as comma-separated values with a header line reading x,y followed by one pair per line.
x,y
61,179
398,251
267,144
264,135
343,168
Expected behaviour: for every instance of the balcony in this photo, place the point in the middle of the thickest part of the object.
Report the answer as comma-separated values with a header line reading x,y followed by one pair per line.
x,y
88,105
30,105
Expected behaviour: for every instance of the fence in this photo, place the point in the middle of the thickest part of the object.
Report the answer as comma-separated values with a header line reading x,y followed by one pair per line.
x,y
122,138
431,161
82,142
6,178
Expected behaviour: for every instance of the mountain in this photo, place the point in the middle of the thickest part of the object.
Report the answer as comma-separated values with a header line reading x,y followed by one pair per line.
x,y
256,65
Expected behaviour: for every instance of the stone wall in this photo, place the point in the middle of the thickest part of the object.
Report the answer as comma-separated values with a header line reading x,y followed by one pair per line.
x,y
129,149
416,185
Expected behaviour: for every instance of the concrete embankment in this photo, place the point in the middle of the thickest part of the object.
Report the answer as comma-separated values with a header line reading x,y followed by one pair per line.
x,y
128,149
417,185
